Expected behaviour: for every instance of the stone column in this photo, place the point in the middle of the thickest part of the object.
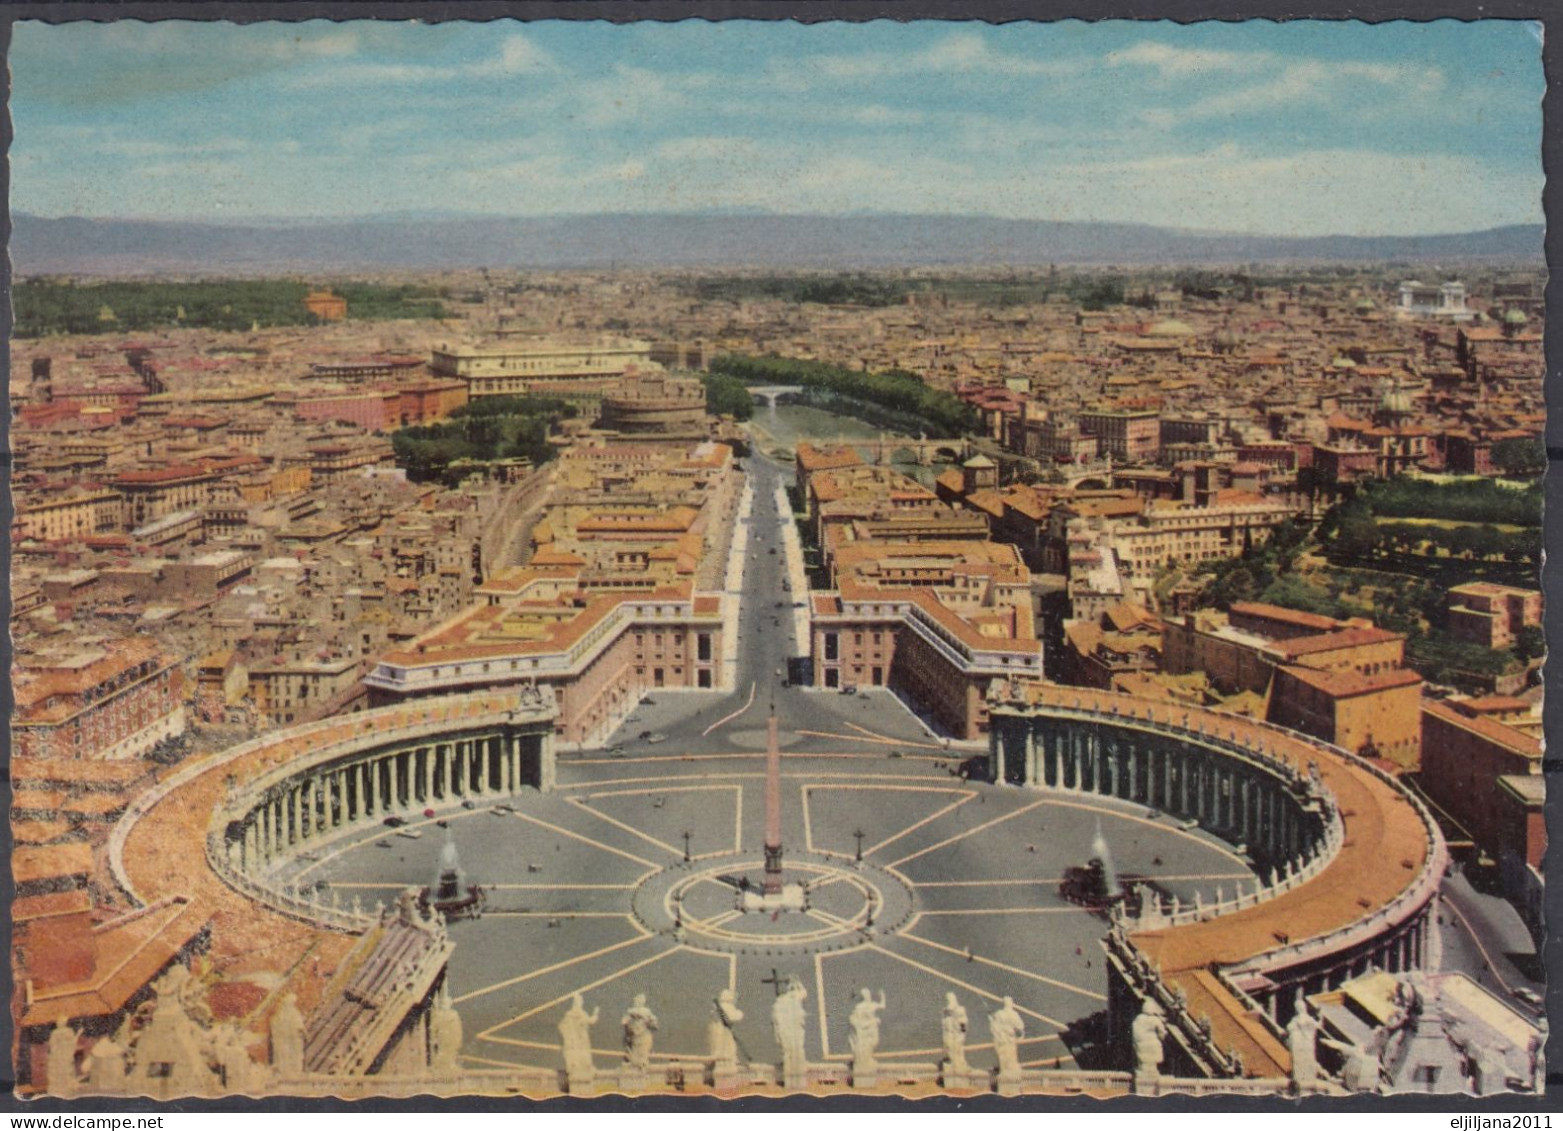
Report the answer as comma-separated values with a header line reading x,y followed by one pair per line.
x,y
428,775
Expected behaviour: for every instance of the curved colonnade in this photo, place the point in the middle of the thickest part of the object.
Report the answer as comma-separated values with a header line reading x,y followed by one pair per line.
x,y
264,801
1349,863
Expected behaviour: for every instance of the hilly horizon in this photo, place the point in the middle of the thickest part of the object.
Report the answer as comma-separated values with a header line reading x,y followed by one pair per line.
x,y
728,239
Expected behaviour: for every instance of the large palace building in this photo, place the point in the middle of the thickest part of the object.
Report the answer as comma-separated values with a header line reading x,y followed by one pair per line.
x,y
515,366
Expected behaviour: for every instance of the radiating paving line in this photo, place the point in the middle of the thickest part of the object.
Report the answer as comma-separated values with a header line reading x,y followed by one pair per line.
x,y
863,738
488,1034
808,823
971,831
555,887
824,1009
1044,1018
898,741
563,916
586,840
1158,825
950,808
1060,879
585,807
519,978
381,833
1092,994
1013,911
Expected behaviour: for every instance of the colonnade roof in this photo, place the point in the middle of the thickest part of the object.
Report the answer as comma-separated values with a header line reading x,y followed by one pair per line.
x,y
164,851
1385,850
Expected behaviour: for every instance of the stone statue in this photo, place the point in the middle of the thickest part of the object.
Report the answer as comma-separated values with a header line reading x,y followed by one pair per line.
x,y
639,1025
106,1068
955,1026
788,1018
62,1079
576,1041
240,1073
864,1038
1148,1032
1301,1037
287,1038
1360,1065
1006,1028
719,1030
170,1053
444,1036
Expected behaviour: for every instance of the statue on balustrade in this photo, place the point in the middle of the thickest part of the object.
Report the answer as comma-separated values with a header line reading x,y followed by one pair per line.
x,y
788,1019
864,1038
640,1025
955,1025
287,1038
444,1036
575,1035
1006,1028
719,1031
1147,1034
62,1079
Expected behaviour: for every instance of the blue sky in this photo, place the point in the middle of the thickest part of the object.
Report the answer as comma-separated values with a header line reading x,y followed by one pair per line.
x,y
1303,128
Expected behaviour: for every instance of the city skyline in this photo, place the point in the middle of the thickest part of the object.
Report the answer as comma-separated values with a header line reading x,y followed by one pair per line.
x,y
1296,129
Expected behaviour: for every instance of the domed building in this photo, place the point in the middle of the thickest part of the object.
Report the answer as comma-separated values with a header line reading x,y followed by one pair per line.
x,y
655,404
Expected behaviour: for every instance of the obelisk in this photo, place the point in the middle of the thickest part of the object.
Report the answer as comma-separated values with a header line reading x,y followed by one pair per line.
x,y
773,840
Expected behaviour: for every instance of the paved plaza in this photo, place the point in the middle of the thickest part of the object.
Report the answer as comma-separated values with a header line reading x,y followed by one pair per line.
x,y
957,891
918,883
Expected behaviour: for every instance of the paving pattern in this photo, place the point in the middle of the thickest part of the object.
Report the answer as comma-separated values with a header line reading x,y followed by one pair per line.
x,y
589,891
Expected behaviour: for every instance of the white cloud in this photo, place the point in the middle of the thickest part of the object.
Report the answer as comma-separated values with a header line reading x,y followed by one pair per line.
x,y
1180,62
961,52
517,55
1308,83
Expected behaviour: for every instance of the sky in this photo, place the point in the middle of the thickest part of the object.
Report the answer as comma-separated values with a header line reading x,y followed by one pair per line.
x,y
1306,128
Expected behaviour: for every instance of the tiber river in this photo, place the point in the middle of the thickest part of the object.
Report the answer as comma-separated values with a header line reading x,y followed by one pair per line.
x,y
789,423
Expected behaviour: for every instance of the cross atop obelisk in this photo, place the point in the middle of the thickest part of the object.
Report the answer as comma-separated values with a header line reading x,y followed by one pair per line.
x,y
773,839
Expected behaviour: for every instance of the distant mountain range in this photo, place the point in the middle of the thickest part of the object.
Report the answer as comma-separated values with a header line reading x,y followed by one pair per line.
x,y
72,245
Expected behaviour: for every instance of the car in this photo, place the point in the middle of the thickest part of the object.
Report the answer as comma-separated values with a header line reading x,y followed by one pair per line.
x,y
779,673
395,822
772,550
797,604
644,735
1530,997
655,738
849,689
781,604
648,701
410,834
468,803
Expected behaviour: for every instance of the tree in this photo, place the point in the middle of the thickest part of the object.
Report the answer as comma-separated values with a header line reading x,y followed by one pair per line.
x,y
1521,457
1352,533
1530,643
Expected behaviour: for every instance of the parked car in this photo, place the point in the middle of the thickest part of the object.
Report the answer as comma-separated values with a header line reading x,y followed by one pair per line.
x,y
644,735
849,689
395,822
658,737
